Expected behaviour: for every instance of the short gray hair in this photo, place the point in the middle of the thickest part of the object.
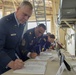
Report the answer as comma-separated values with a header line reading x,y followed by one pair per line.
x,y
26,3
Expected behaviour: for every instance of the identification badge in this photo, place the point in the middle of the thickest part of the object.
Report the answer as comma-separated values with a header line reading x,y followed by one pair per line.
x,y
13,34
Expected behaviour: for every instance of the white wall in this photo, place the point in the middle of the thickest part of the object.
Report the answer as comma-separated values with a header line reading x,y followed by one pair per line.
x,y
0,13
70,40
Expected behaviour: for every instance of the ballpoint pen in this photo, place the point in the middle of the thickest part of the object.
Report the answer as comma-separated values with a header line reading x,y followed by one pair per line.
x,y
17,56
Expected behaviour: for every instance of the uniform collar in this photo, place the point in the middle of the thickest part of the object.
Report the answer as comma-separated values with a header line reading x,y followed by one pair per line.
x,y
17,20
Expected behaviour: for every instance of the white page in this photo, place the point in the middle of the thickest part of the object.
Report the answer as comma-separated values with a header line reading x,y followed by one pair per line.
x,y
42,57
30,68
46,53
42,63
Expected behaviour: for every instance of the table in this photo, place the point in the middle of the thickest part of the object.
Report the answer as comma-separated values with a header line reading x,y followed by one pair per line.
x,y
51,69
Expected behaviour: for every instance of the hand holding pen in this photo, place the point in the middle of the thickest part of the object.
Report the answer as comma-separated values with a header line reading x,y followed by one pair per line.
x,y
17,64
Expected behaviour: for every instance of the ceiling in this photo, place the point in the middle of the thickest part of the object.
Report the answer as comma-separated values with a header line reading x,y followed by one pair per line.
x,y
11,5
51,8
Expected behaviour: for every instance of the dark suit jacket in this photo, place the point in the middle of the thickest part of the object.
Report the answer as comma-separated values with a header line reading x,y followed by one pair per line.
x,y
10,35
29,43
44,44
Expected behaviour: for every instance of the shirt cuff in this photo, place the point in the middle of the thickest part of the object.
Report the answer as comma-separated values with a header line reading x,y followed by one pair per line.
x,y
28,55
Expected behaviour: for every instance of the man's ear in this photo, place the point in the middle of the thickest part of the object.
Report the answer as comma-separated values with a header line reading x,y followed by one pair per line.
x,y
18,8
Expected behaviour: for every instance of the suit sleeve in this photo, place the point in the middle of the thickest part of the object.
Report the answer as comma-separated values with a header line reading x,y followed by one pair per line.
x,y
23,47
4,58
42,43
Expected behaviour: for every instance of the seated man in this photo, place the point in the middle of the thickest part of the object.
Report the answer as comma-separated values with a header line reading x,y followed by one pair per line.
x,y
30,40
45,42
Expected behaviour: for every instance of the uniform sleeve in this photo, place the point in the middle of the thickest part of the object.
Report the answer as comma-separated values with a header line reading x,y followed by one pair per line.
x,y
23,47
25,41
47,45
42,43
37,49
4,58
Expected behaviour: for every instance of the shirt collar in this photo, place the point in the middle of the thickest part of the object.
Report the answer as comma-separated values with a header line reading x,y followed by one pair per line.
x,y
17,20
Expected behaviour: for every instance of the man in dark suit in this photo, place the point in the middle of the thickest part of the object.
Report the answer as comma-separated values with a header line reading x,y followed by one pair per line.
x,y
30,40
11,29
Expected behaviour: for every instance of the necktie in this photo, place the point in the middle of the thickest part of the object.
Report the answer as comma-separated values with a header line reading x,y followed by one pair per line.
x,y
21,28
20,31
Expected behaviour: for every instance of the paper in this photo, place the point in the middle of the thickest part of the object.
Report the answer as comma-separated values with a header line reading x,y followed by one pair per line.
x,y
61,69
33,63
72,63
46,53
42,57
33,67
31,70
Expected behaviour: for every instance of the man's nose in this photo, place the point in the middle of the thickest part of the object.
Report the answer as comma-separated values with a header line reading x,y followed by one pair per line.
x,y
26,17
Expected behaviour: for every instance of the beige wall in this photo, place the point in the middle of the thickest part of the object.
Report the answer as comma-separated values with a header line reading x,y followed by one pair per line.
x,y
62,33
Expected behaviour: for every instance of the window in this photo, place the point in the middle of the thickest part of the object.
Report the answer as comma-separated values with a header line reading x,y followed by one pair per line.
x,y
0,13
33,24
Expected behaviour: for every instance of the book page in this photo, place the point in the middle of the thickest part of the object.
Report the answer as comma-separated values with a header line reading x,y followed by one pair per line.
x,y
33,68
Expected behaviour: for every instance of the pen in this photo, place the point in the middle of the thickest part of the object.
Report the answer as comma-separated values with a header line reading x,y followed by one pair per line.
x,y
17,56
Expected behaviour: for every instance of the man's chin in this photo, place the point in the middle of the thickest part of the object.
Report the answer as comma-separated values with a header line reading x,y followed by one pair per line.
x,y
23,22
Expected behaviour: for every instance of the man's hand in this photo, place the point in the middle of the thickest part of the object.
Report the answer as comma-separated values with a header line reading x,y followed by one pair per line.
x,y
17,64
33,55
